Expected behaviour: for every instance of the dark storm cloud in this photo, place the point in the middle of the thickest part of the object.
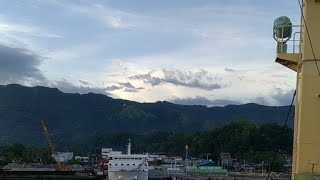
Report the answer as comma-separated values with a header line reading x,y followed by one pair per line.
x,y
200,79
18,65
200,100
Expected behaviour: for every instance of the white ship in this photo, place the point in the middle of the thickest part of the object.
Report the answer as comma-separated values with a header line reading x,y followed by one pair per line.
x,y
128,166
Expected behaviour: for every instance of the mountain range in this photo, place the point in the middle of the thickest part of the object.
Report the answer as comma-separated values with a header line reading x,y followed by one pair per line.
x,y
75,118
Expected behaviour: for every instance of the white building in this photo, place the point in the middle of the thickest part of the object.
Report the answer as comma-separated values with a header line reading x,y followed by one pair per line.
x,y
64,156
84,159
106,152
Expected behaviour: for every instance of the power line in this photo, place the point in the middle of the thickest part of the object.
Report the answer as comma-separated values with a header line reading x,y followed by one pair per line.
x,y
307,30
284,127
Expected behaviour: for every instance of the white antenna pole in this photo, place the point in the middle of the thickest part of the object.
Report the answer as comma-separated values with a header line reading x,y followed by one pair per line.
x,y
129,147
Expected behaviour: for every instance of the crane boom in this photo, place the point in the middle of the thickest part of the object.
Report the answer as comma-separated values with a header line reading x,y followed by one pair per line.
x,y
52,148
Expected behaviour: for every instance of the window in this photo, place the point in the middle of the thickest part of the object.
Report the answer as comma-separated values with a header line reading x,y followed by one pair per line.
x,y
127,164
134,164
116,164
121,164
109,164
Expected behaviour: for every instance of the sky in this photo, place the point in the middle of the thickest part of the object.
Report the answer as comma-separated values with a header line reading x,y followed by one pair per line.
x,y
193,52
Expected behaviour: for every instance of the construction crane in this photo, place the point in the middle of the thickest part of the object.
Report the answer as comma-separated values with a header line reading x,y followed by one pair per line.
x,y
59,166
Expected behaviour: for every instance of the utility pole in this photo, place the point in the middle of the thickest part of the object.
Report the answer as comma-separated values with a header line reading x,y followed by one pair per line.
x,y
262,173
186,149
208,156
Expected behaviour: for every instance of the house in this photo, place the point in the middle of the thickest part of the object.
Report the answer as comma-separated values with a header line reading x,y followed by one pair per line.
x,y
206,167
226,160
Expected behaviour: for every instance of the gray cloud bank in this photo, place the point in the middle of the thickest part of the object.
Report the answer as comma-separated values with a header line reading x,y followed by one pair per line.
x,y
200,79
279,98
19,65
200,100
65,86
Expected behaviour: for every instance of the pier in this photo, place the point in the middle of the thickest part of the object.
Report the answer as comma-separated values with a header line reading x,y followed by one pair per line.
x,y
224,177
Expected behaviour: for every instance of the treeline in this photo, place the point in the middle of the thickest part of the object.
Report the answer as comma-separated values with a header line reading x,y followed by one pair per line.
x,y
244,140
23,154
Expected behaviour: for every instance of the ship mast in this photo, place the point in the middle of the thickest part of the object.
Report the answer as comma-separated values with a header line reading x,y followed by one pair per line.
x,y
304,60
129,147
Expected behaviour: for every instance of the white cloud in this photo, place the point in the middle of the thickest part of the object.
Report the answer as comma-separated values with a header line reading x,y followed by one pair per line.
x,y
9,26
223,39
76,52
110,17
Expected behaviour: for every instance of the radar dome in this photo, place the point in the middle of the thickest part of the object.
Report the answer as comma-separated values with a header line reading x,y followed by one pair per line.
x,y
282,27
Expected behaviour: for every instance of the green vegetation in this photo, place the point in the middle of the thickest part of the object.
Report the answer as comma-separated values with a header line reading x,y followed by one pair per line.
x,y
85,123
73,119
22,154
243,139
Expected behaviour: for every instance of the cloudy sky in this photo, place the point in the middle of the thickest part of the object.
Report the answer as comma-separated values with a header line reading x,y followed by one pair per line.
x,y
206,52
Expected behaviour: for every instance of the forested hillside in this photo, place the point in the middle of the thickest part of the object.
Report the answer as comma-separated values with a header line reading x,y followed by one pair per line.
x,y
75,118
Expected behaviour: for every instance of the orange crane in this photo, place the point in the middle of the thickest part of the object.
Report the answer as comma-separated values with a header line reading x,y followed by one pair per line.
x,y
59,166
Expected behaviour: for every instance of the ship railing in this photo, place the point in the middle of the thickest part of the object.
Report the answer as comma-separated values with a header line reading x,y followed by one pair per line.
x,y
290,45
142,164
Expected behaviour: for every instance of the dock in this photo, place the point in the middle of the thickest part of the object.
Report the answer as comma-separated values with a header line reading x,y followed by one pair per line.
x,y
158,175
222,177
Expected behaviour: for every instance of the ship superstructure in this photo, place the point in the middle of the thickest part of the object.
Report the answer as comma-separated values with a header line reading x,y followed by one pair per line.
x,y
127,166
298,49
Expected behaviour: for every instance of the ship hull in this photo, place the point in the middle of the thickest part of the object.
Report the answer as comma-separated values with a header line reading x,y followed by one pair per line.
x,y
128,175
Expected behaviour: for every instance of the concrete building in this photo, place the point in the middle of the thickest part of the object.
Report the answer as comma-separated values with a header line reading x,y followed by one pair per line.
x,y
82,159
64,156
